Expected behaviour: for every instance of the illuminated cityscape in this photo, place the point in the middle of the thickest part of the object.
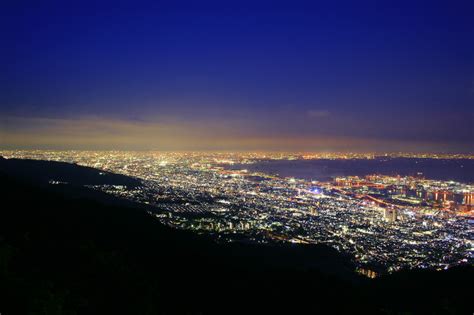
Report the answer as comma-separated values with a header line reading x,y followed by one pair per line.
x,y
237,157
385,223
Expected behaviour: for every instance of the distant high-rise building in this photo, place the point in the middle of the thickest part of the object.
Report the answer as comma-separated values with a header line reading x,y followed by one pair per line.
x,y
468,200
390,215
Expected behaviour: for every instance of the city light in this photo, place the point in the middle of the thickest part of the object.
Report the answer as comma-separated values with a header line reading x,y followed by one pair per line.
x,y
386,223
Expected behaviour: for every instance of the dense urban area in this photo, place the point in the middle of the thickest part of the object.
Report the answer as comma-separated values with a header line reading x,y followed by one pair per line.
x,y
385,222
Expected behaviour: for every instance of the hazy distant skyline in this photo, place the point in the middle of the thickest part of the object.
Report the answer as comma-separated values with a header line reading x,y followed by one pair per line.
x,y
261,75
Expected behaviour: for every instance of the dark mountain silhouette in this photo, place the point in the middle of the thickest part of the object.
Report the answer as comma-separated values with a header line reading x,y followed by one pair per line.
x,y
68,251
41,172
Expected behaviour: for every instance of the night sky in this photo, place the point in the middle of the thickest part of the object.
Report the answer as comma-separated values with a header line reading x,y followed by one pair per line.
x,y
238,75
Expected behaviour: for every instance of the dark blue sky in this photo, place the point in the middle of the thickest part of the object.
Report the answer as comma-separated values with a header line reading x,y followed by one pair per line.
x,y
237,75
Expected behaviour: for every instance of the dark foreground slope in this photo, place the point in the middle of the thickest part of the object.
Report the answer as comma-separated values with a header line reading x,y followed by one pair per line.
x,y
42,172
60,254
